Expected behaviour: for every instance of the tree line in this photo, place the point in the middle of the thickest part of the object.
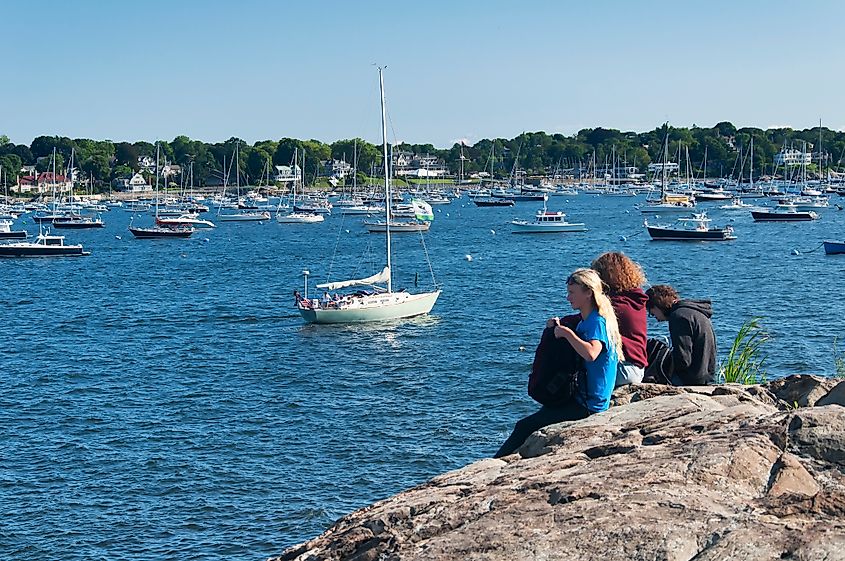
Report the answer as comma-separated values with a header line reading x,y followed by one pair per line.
x,y
725,146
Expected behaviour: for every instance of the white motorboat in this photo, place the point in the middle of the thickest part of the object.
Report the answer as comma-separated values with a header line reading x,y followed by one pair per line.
x,y
736,204
185,220
6,232
45,245
546,221
361,209
248,216
380,226
299,218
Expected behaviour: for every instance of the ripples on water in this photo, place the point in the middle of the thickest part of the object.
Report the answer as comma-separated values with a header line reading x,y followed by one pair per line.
x,y
163,399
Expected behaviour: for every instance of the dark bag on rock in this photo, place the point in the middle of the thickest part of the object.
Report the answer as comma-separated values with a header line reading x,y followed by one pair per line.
x,y
554,373
659,369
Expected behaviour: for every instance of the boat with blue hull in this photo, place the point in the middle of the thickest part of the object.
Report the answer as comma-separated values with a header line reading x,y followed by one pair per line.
x,y
834,248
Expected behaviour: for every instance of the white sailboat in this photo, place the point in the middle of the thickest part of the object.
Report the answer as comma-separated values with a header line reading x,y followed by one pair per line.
x,y
380,302
297,216
241,215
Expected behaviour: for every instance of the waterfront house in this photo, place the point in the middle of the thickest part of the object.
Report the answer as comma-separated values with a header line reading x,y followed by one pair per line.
x,y
132,184
406,164
792,157
336,169
44,182
288,174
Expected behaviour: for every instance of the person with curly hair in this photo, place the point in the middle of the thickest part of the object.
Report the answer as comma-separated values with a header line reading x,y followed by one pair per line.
x,y
623,279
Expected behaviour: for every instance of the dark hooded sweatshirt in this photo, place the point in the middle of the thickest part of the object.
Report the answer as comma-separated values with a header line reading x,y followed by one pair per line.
x,y
693,342
629,306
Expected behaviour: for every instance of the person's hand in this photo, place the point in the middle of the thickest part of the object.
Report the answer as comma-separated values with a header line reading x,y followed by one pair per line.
x,y
562,331
552,322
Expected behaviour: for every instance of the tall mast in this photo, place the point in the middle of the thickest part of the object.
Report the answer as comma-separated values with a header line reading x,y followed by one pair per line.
x,y
157,195
665,163
751,166
387,197
821,164
354,168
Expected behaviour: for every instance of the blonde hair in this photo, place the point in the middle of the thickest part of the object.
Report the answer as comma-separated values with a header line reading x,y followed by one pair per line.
x,y
589,279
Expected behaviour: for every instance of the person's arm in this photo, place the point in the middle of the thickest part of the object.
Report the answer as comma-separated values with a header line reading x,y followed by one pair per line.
x,y
680,331
589,350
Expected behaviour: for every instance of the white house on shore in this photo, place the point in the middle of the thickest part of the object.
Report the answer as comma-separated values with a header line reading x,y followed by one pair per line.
x,y
406,164
134,184
288,174
793,157
44,182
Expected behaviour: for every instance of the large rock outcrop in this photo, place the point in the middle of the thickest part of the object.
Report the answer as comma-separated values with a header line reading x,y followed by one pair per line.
x,y
711,473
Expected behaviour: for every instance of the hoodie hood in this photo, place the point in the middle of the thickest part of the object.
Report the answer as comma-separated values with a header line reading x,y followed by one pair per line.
x,y
635,299
700,306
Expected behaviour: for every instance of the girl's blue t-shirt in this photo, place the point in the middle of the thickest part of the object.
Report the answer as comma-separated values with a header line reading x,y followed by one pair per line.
x,y
596,390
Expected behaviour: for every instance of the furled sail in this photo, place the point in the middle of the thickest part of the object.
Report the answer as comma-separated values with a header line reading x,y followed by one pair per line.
x,y
375,279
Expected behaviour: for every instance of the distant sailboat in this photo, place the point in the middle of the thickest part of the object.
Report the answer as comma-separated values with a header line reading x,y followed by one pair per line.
x,y
158,230
381,302
298,216
241,215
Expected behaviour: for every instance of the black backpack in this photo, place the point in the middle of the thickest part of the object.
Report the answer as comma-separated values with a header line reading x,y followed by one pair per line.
x,y
554,373
659,369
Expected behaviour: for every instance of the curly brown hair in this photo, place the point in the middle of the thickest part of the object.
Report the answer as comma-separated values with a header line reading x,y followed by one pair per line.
x,y
618,271
662,297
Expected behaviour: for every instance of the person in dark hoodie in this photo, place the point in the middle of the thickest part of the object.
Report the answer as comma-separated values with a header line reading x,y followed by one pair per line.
x,y
693,339
623,279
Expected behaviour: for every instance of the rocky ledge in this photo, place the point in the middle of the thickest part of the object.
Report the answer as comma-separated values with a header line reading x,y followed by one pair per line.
x,y
704,473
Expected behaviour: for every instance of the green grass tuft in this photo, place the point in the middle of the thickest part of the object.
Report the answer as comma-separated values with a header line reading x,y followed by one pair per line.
x,y
745,360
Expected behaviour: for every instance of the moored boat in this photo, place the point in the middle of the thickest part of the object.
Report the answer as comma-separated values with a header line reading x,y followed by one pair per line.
x,y
6,232
834,248
185,220
694,228
45,245
783,215
78,222
161,232
299,218
380,226
379,302
492,201
546,221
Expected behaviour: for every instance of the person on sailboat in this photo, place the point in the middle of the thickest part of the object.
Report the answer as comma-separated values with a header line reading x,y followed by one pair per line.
x,y
596,339
691,332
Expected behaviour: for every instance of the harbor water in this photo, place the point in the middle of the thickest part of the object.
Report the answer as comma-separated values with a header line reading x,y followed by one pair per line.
x,y
162,399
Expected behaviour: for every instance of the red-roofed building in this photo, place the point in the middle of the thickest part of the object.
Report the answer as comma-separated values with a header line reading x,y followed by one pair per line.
x,y
45,182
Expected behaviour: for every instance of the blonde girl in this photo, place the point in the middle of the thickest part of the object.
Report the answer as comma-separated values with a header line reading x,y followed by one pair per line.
x,y
596,339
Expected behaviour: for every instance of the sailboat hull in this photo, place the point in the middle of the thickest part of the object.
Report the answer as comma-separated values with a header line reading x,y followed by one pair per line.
x,y
375,307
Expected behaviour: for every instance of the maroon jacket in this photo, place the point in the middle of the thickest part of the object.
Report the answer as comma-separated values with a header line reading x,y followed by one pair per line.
x,y
629,306
631,315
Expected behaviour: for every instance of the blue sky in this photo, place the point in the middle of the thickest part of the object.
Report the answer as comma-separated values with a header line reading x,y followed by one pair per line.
x,y
262,69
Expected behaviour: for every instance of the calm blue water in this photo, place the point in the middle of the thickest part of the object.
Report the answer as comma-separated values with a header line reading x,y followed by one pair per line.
x,y
162,399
